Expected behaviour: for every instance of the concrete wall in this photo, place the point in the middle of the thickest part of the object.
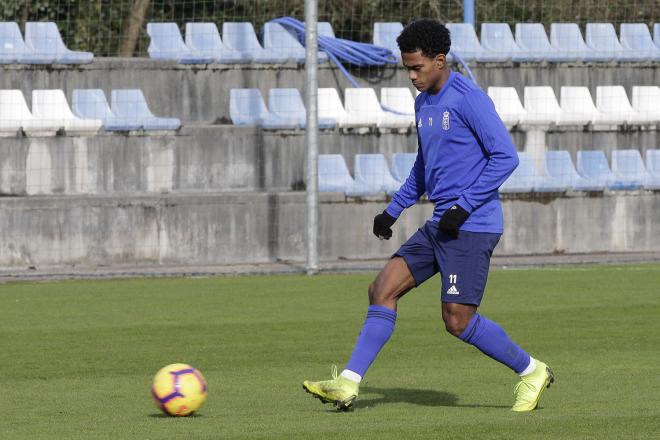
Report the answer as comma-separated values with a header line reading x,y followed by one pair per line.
x,y
201,93
230,228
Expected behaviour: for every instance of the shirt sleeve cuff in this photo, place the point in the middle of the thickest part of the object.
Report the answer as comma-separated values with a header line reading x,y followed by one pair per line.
x,y
465,205
394,210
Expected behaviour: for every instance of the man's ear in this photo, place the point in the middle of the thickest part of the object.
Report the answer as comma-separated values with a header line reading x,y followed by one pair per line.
x,y
440,60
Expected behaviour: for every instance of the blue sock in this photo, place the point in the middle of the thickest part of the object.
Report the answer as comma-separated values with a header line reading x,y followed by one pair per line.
x,y
492,340
376,331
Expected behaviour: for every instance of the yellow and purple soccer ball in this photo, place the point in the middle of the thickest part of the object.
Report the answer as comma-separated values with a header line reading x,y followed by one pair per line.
x,y
179,389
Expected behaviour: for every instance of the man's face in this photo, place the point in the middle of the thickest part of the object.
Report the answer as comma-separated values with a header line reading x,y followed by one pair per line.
x,y
424,72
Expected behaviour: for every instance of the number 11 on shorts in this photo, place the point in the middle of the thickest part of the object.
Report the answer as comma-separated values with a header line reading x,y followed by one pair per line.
x,y
453,278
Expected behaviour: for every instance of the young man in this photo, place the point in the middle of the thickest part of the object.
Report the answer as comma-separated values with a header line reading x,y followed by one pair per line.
x,y
465,153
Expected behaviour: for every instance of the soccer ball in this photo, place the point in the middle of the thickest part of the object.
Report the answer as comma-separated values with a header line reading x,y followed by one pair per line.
x,y
179,389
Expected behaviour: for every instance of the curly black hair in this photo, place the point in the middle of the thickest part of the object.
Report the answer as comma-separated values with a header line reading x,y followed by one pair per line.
x,y
426,35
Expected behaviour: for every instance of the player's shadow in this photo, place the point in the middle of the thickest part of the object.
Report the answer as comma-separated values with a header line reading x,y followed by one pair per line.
x,y
416,397
165,416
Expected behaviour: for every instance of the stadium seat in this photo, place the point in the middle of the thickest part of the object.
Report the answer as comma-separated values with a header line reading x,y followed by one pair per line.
x,y
13,48
371,170
240,36
534,42
636,38
656,34
399,99
52,107
465,43
653,167
646,104
402,165
613,106
130,105
560,168
364,109
92,104
167,44
497,39
287,104
567,38
629,169
333,176
385,35
508,105
541,106
524,177
204,38
45,39
331,107
279,41
577,107
602,37
247,107
15,115
593,166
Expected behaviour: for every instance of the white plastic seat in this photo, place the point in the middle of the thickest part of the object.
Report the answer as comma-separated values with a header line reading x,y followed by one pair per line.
x,y
287,103
52,107
130,105
402,165
45,39
629,169
13,49
371,170
279,41
496,38
613,106
363,107
204,38
331,107
399,99
464,43
385,35
247,107
92,104
508,105
534,42
240,36
577,107
636,38
15,115
656,34
333,176
567,38
653,167
541,106
646,104
166,43
602,37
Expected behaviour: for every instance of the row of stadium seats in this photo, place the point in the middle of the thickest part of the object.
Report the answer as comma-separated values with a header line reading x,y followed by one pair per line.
x,y
576,106
566,44
51,113
42,45
373,176
361,108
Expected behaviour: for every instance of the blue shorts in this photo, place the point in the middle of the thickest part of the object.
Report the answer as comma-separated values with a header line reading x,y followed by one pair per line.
x,y
463,262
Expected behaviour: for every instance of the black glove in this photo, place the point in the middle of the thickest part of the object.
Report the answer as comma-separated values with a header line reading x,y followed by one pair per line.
x,y
452,219
382,225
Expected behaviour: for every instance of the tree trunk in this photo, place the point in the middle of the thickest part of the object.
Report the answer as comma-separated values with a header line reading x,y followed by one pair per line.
x,y
132,32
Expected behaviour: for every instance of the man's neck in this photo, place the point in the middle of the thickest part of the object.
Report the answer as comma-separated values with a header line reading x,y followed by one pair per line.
x,y
444,76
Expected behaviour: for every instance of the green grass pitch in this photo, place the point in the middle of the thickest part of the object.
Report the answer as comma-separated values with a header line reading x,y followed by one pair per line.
x,y
77,358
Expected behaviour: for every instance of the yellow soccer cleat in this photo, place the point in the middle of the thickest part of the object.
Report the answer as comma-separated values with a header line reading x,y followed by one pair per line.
x,y
340,391
528,391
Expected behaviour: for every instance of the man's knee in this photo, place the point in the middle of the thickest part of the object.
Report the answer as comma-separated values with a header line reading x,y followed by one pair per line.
x,y
378,295
455,325
456,318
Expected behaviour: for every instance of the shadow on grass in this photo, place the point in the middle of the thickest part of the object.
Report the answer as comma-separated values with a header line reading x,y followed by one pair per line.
x,y
165,416
416,397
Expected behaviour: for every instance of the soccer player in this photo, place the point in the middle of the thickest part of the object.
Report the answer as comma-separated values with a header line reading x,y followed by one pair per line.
x,y
465,153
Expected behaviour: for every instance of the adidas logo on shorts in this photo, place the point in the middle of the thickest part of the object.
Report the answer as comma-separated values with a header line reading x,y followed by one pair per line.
x,y
453,291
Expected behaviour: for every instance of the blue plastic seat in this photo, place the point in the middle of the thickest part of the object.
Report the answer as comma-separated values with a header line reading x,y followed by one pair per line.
x,y
524,177
288,104
167,44
204,38
280,41
45,39
385,35
602,37
247,107
241,37
497,39
533,40
92,104
636,38
13,48
560,167
371,170
402,165
324,29
629,169
656,34
333,176
464,43
567,38
653,167
593,166
129,106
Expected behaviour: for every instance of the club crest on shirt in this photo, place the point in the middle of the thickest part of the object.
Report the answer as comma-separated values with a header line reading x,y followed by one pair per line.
x,y
445,121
